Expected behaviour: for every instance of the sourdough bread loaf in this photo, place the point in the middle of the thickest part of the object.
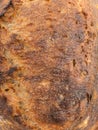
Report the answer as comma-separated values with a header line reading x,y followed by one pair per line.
x,y
47,65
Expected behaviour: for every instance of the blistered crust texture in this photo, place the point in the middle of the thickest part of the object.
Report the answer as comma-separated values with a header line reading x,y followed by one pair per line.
x,y
47,65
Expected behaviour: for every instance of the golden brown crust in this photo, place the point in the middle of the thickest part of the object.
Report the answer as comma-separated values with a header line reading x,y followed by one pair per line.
x,y
47,64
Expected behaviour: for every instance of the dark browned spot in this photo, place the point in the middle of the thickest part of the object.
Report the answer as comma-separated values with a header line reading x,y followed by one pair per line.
x,y
17,119
11,71
89,97
4,107
6,89
57,116
3,6
47,0
85,14
2,101
2,59
74,62
2,78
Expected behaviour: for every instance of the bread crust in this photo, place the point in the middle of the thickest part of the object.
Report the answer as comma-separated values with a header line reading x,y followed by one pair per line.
x,y
47,65
3,6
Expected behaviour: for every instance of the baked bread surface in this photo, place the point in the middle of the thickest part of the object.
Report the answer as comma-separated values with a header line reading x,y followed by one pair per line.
x,y
47,65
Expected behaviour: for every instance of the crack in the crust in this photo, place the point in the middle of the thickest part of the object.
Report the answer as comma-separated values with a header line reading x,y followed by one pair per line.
x,y
4,4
